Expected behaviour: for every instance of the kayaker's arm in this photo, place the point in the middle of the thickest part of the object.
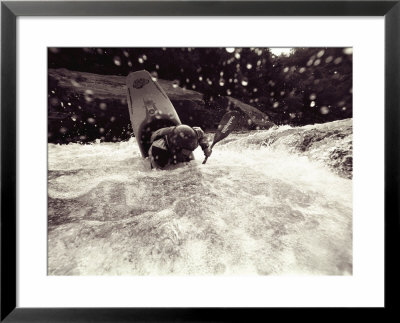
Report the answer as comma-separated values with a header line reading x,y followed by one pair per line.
x,y
203,142
161,133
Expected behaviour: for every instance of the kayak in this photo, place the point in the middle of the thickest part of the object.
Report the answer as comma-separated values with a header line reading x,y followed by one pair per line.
x,y
149,108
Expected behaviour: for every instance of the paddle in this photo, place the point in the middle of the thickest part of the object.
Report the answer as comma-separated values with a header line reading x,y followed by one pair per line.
x,y
225,127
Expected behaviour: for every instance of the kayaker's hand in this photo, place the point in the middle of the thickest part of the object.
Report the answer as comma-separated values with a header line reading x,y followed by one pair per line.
x,y
207,152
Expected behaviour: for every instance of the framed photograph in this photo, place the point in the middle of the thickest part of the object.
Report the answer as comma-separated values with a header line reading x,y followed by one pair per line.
x,y
197,160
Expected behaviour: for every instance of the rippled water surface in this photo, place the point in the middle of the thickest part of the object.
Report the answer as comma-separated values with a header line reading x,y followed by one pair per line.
x,y
252,209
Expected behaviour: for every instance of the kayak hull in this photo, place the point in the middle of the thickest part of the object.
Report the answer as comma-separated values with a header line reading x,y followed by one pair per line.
x,y
149,108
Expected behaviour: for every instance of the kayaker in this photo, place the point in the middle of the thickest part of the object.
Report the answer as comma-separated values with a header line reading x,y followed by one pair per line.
x,y
173,145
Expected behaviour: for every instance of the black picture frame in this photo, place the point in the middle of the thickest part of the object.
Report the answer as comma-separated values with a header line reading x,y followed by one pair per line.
x,y
10,10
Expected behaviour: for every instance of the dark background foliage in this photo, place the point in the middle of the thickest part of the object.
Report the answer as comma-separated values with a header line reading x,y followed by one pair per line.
x,y
311,85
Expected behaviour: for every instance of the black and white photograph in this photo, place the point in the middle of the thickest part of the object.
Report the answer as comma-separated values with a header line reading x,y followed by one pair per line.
x,y
200,161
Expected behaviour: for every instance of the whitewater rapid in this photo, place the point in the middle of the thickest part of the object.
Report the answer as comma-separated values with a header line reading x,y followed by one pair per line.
x,y
252,209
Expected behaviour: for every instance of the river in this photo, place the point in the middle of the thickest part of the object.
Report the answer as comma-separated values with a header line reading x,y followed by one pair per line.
x,y
252,209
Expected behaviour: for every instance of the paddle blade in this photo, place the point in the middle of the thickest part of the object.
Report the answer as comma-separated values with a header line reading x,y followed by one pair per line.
x,y
228,122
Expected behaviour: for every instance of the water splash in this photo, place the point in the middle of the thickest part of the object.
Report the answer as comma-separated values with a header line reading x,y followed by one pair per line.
x,y
270,210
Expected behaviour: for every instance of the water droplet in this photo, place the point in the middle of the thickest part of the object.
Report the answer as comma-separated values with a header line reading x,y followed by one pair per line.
x,y
348,51
338,60
237,55
255,90
302,70
154,76
313,96
230,49
75,83
324,110
286,69
54,50
175,84
200,78
101,130
129,63
157,67
275,105
209,82
292,115
117,60
54,102
228,91
112,119
144,57
282,93
140,60
249,66
317,62
221,82
88,96
245,81
63,130
321,53
272,94
344,108
310,62
312,104
126,54
329,59
74,117
91,120
258,62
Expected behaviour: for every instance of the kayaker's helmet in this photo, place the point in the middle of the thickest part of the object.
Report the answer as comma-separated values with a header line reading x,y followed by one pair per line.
x,y
184,137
